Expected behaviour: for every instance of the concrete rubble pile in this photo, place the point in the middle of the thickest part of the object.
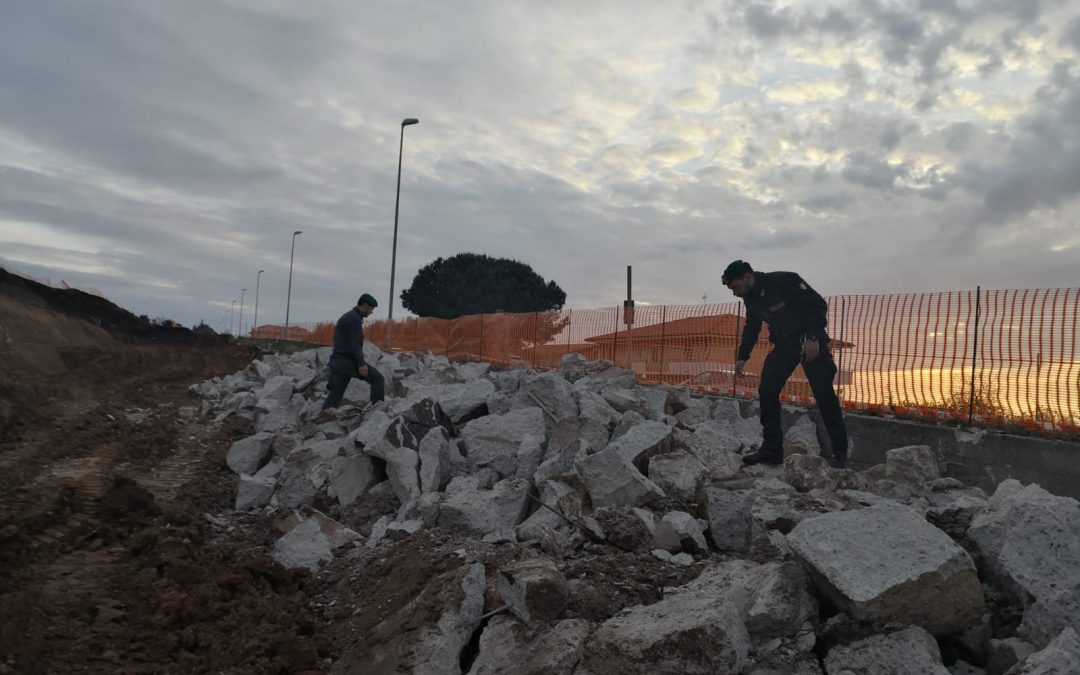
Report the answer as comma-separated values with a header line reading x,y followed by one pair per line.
x,y
800,568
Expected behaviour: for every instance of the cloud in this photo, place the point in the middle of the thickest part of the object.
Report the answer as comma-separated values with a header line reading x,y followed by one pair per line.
x,y
166,153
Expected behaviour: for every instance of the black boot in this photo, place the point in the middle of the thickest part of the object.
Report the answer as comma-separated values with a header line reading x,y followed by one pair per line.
x,y
764,456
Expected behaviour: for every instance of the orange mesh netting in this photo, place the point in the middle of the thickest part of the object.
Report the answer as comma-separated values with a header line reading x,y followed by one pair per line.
x,y
978,356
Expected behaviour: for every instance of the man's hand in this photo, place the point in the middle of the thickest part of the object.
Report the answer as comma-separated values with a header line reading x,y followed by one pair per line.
x,y
739,365
363,371
811,350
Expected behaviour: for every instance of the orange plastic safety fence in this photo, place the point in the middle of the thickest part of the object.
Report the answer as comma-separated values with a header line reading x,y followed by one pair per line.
x,y
977,356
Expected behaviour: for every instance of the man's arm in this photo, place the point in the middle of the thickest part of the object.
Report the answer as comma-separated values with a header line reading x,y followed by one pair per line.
x,y
356,339
749,336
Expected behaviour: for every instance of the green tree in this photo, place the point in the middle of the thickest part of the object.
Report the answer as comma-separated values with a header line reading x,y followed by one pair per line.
x,y
470,283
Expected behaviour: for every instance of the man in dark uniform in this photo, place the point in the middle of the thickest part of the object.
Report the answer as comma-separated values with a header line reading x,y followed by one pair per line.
x,y
347,359
796,315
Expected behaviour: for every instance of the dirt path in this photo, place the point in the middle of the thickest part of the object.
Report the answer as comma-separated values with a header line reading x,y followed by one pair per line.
x,y
114,553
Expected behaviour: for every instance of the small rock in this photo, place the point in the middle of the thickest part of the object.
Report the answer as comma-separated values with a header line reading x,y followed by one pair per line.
x,y
912,465
912,650
679,531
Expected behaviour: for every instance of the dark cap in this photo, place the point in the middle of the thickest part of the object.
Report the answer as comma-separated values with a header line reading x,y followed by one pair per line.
x,y
367,299
736,270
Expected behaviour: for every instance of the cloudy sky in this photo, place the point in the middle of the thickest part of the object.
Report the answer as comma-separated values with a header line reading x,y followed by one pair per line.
x,y
164,151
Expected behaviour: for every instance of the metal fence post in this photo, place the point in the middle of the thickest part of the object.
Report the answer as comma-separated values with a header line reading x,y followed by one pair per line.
x,y
663,343
569,328
974,356
738,320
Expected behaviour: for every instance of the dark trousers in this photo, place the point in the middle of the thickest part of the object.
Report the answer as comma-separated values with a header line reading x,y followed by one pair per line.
x,y
339,382
779,365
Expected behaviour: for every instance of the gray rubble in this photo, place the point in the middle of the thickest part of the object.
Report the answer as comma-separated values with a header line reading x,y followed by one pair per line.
x,y
653,474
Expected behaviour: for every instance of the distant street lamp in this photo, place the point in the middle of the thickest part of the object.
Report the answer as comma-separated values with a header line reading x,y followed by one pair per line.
x,y
242,311
408,121
255,321
232,316
288,298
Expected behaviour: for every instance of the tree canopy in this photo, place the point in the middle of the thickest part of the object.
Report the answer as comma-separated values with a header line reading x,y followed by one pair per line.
x,y
471,283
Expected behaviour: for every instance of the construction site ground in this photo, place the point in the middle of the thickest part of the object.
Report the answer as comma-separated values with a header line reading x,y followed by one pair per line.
x,y
120,550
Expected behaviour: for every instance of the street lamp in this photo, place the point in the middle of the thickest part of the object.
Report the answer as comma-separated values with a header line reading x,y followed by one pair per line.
x,y
408,121
288,298
255,321
242,311
232,316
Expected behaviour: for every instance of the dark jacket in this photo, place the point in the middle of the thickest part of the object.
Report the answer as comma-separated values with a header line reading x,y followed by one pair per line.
x,y
792,309
348,354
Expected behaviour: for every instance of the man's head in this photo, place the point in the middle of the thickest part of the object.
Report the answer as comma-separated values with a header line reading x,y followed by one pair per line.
x,y
367,304
739,277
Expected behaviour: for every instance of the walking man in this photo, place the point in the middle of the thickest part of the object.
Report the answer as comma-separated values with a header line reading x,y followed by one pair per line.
x,y
796,315
347,359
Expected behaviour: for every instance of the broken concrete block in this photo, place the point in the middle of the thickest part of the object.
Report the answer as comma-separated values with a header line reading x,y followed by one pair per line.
x,y
530,454
253,493
428,508
372,430
782,602
311,542
730,512
463,403
557,495
1004,654
809,472
572,430
535,590
678,473
434,460
437,650
351,478
485,511
912,465
647,517
886,563
472,370
403,470
679,531
714,610
592,406
643,441
612,480
802,438
626,400
595,376
399,530
507,646
552,391
627,421
656,400
560,462
695,410
495,440
679,559
912,650
277,391
1028,542
1061,656
647,639
248,455
720,462
1044,620
281,417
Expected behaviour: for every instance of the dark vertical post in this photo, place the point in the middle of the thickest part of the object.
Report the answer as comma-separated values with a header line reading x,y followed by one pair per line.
x,y
974,355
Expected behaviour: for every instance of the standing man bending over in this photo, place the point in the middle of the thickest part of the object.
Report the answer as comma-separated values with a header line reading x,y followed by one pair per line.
x,y
347,360
796,315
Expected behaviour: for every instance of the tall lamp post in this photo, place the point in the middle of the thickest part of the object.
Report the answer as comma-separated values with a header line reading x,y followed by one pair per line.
x,y
232,316
241,331
408,121
288,298
255,321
